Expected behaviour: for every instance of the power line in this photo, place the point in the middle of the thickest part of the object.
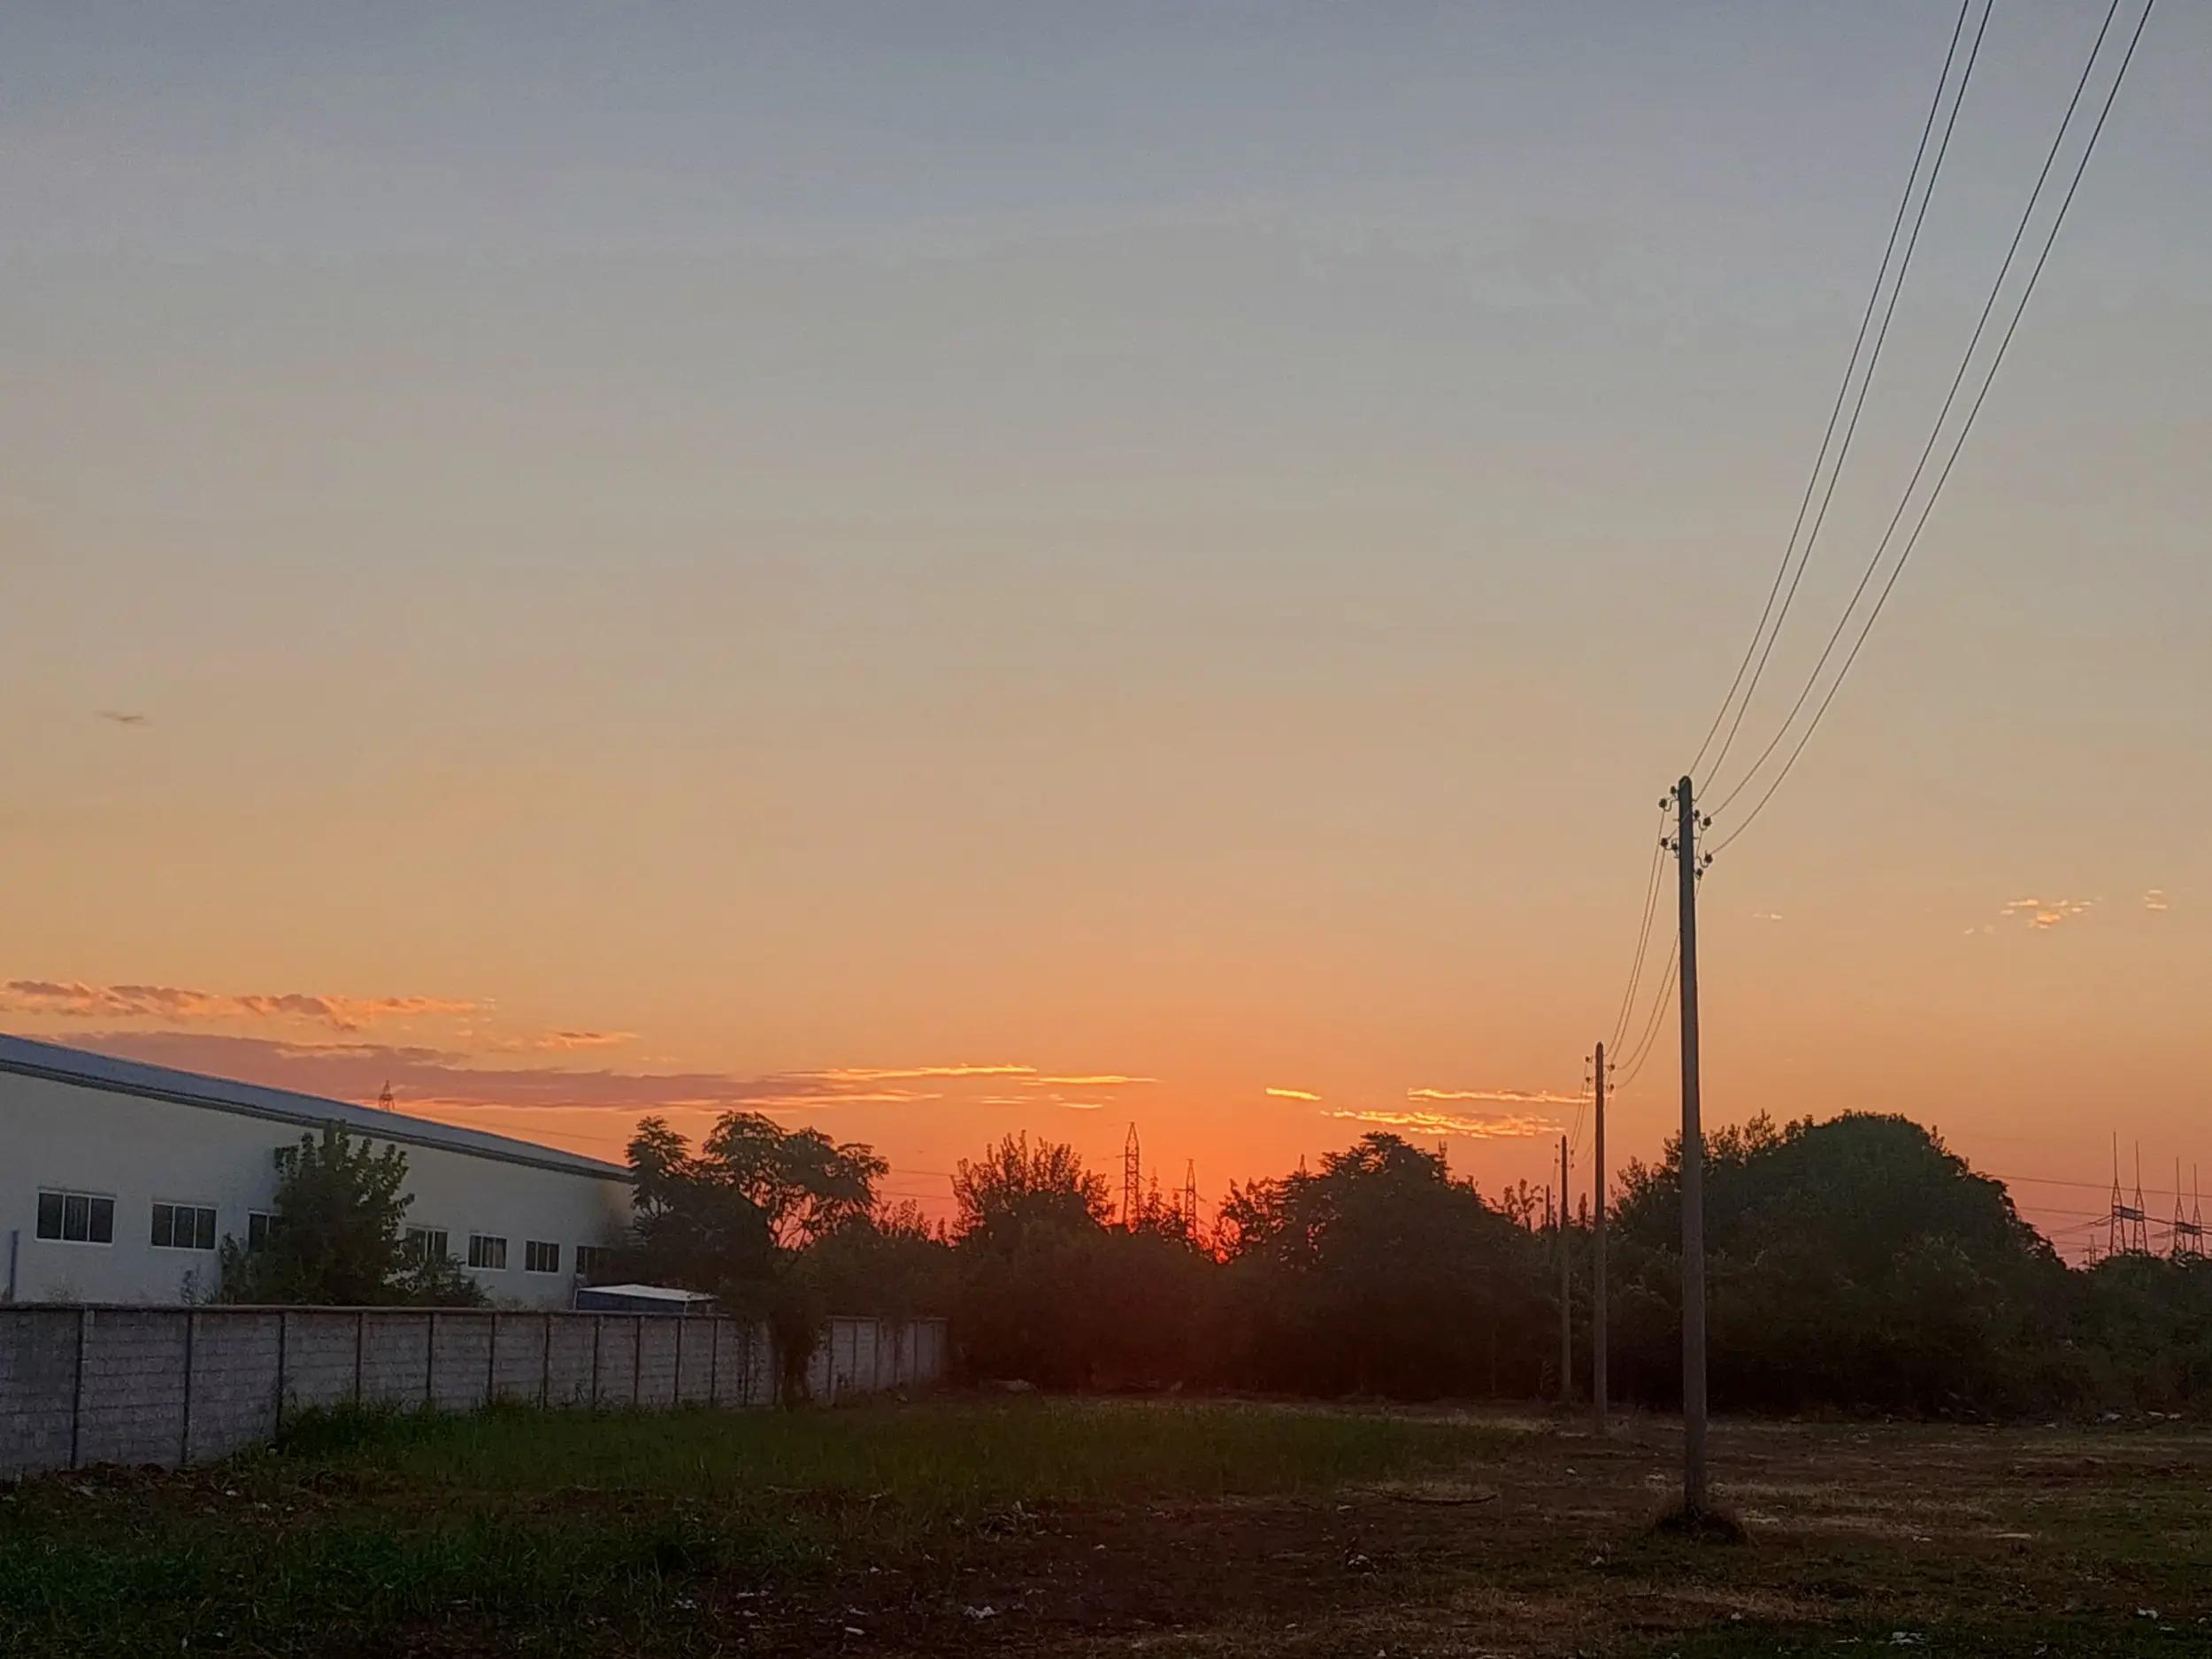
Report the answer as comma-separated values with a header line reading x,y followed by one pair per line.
x,y
1635,1063
1989,380
1850,369
1643,942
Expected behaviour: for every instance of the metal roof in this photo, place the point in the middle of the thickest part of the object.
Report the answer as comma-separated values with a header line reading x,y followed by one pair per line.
x,y
646,1293
81,1066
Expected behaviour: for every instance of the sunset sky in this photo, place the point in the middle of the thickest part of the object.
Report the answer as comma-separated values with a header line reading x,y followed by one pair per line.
x,y
952,570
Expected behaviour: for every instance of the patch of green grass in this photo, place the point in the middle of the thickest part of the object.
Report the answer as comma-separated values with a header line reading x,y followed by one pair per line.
x,y
940,1455
574,1530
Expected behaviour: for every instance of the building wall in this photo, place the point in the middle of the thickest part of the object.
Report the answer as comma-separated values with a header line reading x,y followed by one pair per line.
x,y
139,1151
168,1386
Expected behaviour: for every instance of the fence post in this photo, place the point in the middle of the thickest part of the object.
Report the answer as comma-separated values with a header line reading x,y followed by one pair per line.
x,y
76,1386
491,1360
284,1332
637,1364
676,1389
545,1371
360,1339
430,1362
595,1323
714,1361
184,1434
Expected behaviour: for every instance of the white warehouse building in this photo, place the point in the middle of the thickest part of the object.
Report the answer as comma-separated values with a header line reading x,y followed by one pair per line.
x,y
118,1181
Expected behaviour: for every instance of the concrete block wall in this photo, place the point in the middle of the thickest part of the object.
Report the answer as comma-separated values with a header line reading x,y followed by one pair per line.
x,y
83,1384
395,1350
568,1362
236,1368
131,1406
39,1358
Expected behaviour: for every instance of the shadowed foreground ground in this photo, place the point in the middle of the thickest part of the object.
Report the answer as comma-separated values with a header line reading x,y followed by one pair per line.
x,y
1120,1527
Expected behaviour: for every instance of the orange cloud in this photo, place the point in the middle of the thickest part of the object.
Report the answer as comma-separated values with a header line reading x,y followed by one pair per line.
x,y
73,998
2156,900
1472,1126
2044,914
873,1074
1293,1093
1499,1096
567,1039
1109,1079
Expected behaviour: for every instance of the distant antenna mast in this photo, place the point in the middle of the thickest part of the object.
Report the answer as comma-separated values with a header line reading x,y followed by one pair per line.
x,y
384,1102
1131,1181
1190,1197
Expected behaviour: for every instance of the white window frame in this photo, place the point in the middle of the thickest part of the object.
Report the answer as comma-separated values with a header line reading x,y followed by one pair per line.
x,y
422,1252
528,1245
173,1205
477,1241
66,1193
269,1219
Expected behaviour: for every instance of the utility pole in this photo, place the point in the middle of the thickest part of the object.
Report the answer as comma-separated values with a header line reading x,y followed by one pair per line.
x,y
1689,864
1597,1257
1566,1292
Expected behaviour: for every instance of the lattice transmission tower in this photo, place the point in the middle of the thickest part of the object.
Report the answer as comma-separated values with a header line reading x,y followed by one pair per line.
x,y
1131,1181
2188,1240
2128,1224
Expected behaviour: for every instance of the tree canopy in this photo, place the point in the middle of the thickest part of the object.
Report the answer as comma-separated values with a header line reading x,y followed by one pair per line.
x,y
335,1235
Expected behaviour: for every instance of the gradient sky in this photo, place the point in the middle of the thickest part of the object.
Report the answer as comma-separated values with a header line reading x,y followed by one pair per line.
x,y
720,554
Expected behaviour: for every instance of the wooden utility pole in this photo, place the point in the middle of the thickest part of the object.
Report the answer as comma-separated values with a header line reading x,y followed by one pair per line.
x,y
1566,1306
1687,866
1597,1256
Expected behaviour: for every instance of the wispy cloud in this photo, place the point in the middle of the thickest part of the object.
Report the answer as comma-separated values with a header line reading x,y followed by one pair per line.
x,y
888,1073
1766,916
1292,1093
434,1077
2156,900
449,1079
73,998
119,717
1469,1125
1084,1105
562,1041
1107,1079
2044,914
1497,1096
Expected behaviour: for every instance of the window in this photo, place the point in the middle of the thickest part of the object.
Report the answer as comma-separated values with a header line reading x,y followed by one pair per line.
x,y
184,1226
428,1244
76,1218
486,1251
541,1257
592,1260
261,1226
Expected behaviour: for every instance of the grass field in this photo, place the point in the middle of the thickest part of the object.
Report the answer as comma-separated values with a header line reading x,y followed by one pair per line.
x,y
1037,1525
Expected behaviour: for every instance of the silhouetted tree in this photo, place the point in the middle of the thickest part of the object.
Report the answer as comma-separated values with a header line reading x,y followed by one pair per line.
x,y
1856,1262
1016,1188
1381,1273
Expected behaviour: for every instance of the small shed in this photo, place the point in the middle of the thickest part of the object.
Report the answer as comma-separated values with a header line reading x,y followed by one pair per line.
x,y
643,1299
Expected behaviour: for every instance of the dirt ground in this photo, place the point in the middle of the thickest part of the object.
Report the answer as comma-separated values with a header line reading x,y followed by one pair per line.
x,y
1895,1536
